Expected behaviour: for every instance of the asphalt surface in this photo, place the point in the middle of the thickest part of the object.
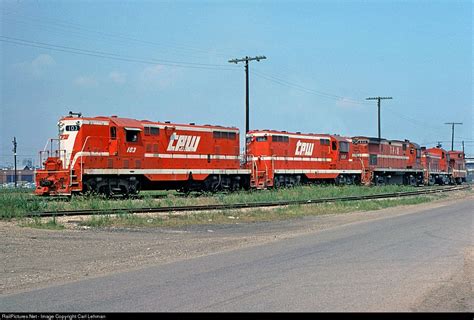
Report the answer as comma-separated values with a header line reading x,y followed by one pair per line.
x,y
387,264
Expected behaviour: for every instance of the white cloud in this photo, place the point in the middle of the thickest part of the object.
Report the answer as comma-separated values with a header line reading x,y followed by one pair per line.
x,y
347,103
37,66
43,60
117,77
86,81
157,76
152,72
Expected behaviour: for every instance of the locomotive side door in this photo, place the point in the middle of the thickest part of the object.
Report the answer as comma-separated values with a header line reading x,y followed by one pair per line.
x,y
133,147
113,141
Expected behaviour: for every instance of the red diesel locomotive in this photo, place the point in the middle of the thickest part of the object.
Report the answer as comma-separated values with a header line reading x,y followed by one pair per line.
x,y
279,158
111,155
389,161
457,165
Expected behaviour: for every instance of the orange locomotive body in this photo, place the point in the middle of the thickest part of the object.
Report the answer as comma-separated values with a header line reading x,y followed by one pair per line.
x,y
436,163
280,158
389,161
121,156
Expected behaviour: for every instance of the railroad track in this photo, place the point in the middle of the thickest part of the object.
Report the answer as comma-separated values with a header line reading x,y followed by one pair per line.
x,y
117,198
245,205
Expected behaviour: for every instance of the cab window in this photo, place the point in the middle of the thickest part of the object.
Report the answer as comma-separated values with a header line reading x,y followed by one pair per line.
x,y
324,142
132,135
224,135
152,131
113,133
343,146
373,159
280,139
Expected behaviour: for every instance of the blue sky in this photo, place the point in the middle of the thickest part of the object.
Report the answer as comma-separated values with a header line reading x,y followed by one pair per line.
x,y
167,60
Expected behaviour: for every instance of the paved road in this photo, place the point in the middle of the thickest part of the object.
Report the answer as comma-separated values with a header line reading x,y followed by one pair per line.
x,y
389,264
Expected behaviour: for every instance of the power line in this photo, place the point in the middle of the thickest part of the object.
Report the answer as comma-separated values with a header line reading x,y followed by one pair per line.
x,y
67,26
425,126
302,88
414,121
456,141
113,56
286,83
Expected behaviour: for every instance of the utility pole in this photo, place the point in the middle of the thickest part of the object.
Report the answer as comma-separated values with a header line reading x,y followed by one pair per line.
x,y
462,147
452,132
246,60
378,106
14,157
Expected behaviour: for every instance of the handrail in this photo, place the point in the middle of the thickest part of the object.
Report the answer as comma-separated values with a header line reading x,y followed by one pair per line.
x,y
82,162
266,174
50,152
273,168
81,156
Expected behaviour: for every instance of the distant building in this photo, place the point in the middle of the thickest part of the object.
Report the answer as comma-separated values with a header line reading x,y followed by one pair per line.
x,y
470,169
26,174
28,162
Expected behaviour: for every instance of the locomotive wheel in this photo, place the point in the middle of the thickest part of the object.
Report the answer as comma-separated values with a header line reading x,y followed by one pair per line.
x,y
431,181
125,191
289,182
380,180
410,180
104,190
235,185
344,180
276,183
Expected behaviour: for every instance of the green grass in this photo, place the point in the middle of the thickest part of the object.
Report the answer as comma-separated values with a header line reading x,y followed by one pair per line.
x,y
253,215
38,223
16,203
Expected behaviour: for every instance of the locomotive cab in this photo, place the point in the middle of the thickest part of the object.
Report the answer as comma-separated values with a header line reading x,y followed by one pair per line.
x,y
80,141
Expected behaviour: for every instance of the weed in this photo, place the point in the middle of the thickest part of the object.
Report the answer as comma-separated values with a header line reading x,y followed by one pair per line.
x,y
14,204
38,223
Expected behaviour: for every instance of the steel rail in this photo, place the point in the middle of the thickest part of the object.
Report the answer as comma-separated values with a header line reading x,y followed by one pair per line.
x,y
243,205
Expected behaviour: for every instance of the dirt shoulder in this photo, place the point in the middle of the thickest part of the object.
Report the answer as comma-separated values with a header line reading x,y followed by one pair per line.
x,y
35,258
454,295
